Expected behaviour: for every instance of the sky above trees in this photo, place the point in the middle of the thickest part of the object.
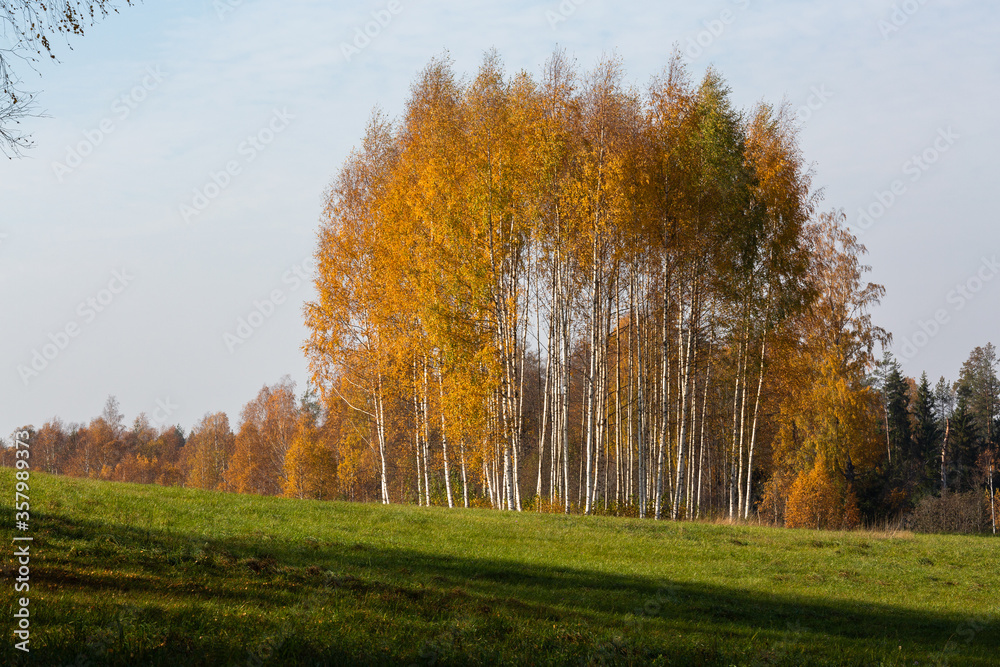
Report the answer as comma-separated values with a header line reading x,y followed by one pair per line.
x,y
158,237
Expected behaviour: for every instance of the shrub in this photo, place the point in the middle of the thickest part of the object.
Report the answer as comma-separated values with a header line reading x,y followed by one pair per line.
x,y
816,501
950,513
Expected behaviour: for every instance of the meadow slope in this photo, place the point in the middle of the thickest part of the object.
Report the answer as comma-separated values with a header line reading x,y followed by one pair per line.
x,y
125,574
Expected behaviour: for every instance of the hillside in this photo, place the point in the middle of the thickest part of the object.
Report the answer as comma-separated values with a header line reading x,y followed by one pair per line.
x,y
131,574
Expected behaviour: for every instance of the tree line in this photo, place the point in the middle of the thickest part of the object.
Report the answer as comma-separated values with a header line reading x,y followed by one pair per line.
x,y
941,440
939,443
281,446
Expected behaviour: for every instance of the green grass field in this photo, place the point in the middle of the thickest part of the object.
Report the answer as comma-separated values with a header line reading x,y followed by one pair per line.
x,y
124,574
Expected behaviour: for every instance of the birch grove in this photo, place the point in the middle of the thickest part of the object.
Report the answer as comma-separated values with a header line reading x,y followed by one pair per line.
x,y
566,292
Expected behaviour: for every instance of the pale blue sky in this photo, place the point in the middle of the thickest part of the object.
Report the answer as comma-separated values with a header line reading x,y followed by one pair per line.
x,y
887,95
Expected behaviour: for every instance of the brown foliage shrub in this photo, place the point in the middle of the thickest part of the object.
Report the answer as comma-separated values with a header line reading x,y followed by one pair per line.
x,y
951,513
852,513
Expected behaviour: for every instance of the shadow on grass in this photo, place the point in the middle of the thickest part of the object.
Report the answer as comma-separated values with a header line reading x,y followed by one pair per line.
x,y
315,602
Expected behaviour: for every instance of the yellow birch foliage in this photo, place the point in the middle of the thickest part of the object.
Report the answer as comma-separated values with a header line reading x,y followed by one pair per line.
x,y
207,452
266,429
310,468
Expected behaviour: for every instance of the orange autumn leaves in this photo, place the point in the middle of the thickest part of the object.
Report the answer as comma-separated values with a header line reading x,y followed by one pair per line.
x,y
625,298
819,500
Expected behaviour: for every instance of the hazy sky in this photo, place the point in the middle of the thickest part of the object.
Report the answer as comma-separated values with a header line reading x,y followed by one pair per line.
x,y
177,181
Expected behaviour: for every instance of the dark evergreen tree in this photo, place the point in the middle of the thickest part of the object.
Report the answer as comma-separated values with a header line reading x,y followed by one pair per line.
x,y
896,400
926,434
963,445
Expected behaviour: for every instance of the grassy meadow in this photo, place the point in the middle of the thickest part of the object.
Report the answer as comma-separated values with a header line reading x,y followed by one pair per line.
x,y
124,574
